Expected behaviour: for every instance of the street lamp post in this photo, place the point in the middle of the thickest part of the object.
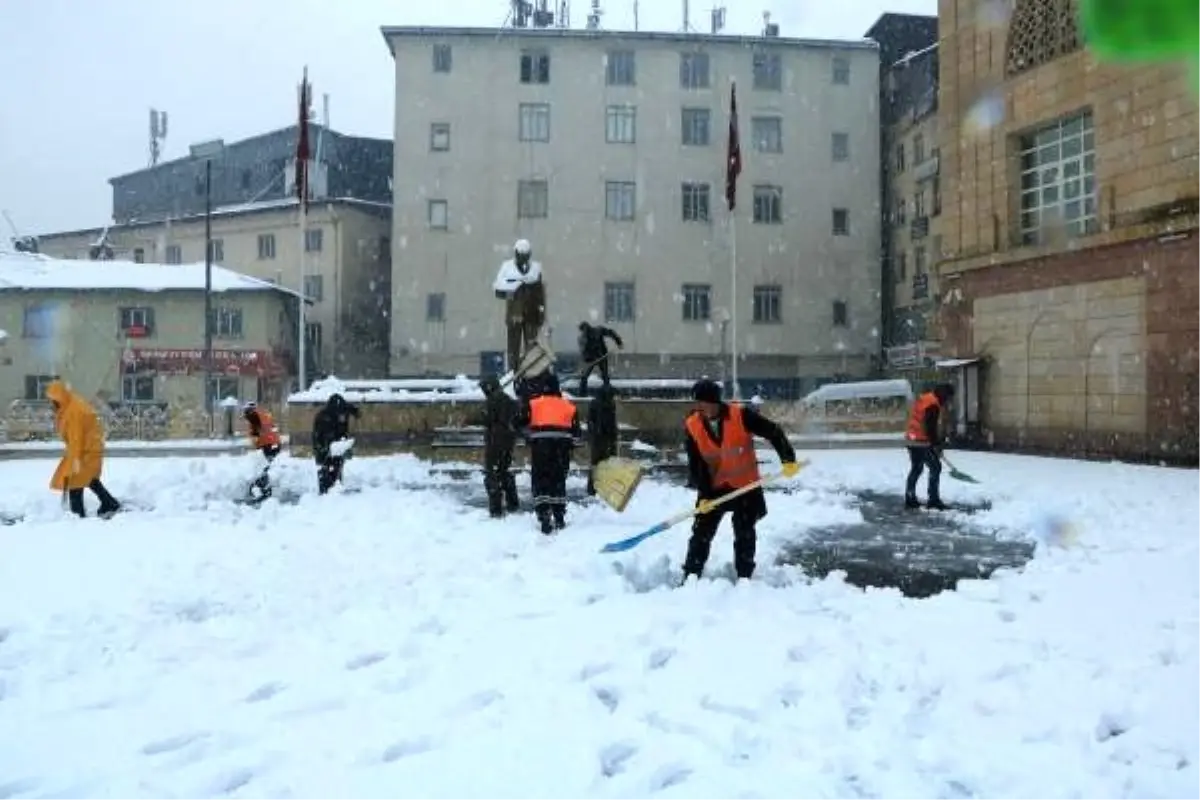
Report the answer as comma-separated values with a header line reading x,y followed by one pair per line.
x,y
209,151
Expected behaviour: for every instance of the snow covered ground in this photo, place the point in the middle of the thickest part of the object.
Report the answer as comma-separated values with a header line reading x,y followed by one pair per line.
x,y
395,642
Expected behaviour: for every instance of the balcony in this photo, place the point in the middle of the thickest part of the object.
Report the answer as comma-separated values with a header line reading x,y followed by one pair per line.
x,y
916,355
918,228
927,169
920,286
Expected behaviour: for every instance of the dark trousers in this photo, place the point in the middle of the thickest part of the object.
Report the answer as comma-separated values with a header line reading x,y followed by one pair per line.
x,y
329,472
601,365
745,539
520,336
549,461
920,458
263,482
498,482
108,503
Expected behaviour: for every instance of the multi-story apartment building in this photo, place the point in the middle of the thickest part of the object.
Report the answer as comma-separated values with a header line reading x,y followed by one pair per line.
x,y
910,186
608,152
129,334
1070,234
158,216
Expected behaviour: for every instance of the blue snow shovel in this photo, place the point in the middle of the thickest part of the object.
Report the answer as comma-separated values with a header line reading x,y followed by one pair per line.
x,y
956,473
633,541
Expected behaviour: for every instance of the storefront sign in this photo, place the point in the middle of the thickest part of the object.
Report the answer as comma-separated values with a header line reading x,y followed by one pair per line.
x,y
185,362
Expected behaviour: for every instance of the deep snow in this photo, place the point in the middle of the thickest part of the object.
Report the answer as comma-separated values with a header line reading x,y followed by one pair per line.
x,y
396,643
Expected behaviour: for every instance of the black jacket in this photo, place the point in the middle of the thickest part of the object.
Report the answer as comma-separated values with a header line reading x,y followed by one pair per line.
x,y
603,433
499,421
591,341
331,424
758,425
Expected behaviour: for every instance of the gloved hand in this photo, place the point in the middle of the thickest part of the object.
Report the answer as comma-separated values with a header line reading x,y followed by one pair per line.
x,y
704,506
790,468
76,467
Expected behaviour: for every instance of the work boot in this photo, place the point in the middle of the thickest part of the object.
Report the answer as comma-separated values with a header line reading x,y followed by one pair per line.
x,y
560,518
936,504
543,516
495,507
911,501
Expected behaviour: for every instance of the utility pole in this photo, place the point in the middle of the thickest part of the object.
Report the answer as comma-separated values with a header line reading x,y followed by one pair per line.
x,y
208,151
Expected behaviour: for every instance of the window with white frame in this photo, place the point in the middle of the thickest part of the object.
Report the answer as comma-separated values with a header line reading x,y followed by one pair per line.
x,y
227,322
39,320
535,66
620,200
696,201
767,133
919,203
137,388
442,58
314,287
901,210
840,146
534,122
138,320
174,254
840,70
619,301
222,386
621,68
918,148
695,126
697,302
693,70
1058,179
314,240
438,212
533,199
35,386
218,250
768,205
767,303
768,71
620,124
439,137
918,261
435,307
266,246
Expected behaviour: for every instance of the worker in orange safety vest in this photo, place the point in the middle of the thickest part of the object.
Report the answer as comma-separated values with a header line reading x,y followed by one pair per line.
x,y
552,426
923,436
264,437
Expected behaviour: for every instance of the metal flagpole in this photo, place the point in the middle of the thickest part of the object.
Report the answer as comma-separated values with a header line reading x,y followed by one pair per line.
x,y
733,303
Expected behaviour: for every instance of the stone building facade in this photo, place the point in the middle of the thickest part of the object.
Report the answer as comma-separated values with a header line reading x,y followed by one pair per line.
x,y
1069,235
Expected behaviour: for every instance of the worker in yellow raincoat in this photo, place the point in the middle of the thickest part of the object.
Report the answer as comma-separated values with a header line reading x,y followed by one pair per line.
x,y
76,422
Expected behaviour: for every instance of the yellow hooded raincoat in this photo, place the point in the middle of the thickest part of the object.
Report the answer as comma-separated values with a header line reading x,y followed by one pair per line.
x,y
76,422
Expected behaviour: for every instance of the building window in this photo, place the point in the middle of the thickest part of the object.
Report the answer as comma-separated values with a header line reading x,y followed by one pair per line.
x,y
174,254
841,314
1058,179
620,200
901,210
139,255
936,190
768,205
693,70
39,321
535,66
695,126
622,68
266,246
247,177
439,137
767,133
313,337
900,166
619,302
768,72
438,212
901,266
840,146
314,287
35,386
841,222
533,199
918,203
227,322
696,302
314,240
918,149
137,389
137,321
767,302
840,70
217,250
918,261
620,124
443,58
223,386
435,307
534,122
696,202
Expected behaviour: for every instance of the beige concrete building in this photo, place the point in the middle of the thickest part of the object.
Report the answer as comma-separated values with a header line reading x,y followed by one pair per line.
x,y
347,266
1069,229
607,150
132,335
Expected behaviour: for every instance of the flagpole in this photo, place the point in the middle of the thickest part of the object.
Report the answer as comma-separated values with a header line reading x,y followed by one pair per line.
x,y
302,197
733,303
733,168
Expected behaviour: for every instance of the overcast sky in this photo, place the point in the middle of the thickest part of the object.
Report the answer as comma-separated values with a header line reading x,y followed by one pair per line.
x,y
77,78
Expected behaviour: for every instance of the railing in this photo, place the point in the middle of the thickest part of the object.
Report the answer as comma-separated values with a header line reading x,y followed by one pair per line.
x,y
918,228
927,169
912,356
33,421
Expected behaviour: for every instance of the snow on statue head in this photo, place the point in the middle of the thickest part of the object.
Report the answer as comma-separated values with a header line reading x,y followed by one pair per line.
x,y
522,251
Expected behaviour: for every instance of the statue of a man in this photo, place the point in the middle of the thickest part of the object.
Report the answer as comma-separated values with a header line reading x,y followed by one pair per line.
x,y
519,284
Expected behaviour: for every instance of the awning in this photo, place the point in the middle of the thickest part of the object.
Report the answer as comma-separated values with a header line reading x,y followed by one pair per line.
x,y
956,363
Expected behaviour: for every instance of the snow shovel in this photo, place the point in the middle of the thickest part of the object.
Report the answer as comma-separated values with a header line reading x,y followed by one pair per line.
x,y
956,473
537,359
615,480
633,541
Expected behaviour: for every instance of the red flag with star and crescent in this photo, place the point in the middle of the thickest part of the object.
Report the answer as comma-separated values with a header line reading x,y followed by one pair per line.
x,y
302,150
733,159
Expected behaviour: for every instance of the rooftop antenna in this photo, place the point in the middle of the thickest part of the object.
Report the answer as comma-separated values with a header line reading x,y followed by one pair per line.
x,y
593,20
687,17
635,14
564,15
158,134
717,20
769,29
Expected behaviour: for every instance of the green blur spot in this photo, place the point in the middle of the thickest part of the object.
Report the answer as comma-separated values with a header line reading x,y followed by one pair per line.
x,y
1141,30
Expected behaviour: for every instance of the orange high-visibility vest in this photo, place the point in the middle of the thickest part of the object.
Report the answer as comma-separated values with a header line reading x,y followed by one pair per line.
x,y
551,413
268,436
916,418
732,464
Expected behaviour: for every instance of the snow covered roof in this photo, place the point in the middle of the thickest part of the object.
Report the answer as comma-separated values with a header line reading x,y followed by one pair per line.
x,y
32,272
